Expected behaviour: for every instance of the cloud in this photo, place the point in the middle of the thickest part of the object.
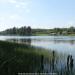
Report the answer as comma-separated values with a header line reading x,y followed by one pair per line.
x,y
17,3
16,6
13,12
22,4
12,1
27,10
7,1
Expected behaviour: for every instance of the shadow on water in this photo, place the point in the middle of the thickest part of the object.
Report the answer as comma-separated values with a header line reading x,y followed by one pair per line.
x,y
50,65
23,41
21,58
64,41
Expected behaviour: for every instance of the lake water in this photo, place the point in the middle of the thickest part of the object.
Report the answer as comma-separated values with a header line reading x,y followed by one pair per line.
x,y
61,44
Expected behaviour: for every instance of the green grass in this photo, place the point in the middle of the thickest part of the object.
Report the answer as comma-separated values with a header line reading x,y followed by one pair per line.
x,y
20,58
15,58
42,34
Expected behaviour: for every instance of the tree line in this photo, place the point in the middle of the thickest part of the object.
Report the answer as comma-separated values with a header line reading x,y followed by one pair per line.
x,y
64,31
55,31
18,31
29,31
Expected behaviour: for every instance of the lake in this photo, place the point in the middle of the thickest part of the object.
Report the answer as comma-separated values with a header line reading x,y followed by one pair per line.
x,y
64,45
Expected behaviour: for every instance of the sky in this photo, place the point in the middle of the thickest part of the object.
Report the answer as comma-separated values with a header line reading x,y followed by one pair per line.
x,y
37,13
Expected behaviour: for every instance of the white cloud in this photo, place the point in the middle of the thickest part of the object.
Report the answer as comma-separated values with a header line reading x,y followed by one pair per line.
x,y
7,1
22,4
12,1
12,16
17,3
27,10
18,6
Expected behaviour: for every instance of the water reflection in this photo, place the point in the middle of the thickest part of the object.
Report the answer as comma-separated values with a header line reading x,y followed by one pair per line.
x,y
29,41
52,64
59,44
23,41
64,41
70,63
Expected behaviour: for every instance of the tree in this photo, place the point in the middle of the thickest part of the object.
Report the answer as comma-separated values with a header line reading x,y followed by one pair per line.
x,y
14,30
29,30
71,30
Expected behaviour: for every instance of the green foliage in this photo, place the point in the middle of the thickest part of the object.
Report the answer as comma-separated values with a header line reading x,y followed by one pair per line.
x,y
28,31
18,31
55,31
19,58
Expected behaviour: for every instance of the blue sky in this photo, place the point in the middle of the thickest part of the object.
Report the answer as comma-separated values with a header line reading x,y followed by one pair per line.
x,y
37,13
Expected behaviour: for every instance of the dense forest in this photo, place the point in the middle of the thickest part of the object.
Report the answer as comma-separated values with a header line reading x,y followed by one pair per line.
x,y
29,31
17,31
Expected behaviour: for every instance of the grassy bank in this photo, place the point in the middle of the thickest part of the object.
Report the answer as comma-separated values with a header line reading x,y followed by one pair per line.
x,y
42,34
19,58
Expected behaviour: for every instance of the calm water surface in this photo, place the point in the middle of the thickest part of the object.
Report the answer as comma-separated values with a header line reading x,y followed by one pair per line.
x,y
63,44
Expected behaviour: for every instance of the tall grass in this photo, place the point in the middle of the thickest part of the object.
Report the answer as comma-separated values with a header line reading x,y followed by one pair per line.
x,y
20,58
